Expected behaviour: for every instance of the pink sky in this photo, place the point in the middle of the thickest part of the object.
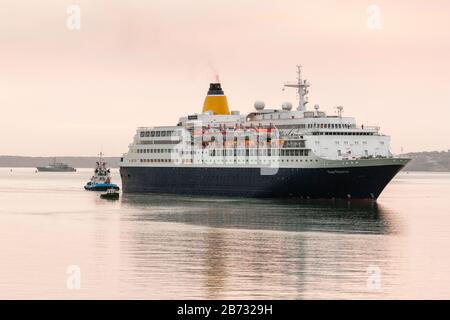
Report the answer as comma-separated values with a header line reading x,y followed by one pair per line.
x,y
142,63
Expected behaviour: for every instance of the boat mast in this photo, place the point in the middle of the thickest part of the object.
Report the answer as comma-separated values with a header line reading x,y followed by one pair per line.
x,y
302,89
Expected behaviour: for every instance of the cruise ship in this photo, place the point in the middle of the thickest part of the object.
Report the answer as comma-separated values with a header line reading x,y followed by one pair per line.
x,y
276,153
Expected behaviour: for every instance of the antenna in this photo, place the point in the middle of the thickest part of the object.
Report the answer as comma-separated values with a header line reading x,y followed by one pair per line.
x,y
101,154
302,89
340,110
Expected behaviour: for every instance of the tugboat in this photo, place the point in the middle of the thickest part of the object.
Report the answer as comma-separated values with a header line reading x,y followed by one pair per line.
x,y
111,194
101,180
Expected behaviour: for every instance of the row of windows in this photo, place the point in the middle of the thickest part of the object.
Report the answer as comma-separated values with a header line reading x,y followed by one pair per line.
x,y
330,125
260,152
155,150
190,161
234,152
320,125
355,142
159,141
294,144
342,133
159,133
231,151
157,160
294,152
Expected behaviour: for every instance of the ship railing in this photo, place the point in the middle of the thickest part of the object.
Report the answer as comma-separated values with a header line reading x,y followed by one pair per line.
x,y
354,128
371,157
365,127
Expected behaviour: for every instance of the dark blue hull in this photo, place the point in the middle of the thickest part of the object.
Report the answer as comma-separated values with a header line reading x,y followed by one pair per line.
x,y
311,183
101,187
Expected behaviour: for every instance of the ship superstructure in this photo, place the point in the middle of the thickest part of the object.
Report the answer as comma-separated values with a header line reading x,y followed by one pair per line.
x,y
266,153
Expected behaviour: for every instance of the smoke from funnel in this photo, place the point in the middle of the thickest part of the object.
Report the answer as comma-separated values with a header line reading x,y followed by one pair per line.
x,y
214,75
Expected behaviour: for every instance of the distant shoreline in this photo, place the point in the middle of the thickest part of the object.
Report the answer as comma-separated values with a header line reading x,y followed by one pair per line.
x,y
430,161
74,161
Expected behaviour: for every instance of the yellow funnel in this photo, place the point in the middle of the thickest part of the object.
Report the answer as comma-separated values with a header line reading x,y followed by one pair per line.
x,y
216,101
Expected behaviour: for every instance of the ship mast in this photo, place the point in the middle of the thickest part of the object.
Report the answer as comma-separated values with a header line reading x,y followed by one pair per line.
x,y
302,89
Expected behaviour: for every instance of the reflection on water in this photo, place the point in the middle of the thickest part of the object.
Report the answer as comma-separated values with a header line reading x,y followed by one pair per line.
x,y
263,248
165,246
320,216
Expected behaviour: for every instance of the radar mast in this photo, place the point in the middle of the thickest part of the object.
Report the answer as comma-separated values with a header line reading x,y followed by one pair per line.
x,y
302,89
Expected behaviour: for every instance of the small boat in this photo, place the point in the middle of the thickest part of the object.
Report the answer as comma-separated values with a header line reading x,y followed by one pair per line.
x,y
111,194
101,180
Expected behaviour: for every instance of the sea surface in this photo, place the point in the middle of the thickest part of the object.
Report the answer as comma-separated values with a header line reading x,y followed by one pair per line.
x,y
59,241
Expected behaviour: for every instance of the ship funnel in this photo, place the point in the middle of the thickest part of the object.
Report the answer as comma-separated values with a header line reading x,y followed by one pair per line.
x,y
216,101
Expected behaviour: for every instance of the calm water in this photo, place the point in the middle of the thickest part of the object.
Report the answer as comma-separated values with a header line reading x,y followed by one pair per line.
x,y
168,247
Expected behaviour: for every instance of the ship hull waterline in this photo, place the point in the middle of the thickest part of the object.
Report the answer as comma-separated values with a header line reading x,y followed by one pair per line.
x,y
305,183
44,169
101,187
